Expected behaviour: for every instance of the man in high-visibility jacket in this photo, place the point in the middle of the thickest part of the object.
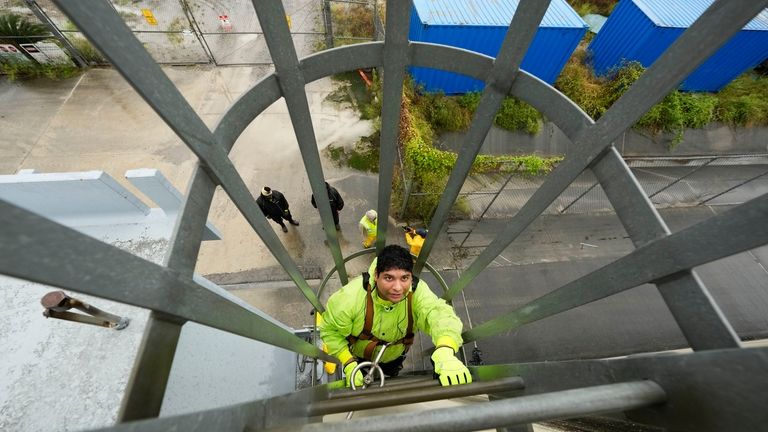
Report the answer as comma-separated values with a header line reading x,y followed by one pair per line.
x,y
368,228
415,239
360,318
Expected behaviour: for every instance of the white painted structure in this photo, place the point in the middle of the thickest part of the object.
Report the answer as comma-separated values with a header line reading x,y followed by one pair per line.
x,y
62,375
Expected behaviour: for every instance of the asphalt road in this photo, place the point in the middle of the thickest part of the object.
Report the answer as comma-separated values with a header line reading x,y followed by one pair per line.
x,y
552,252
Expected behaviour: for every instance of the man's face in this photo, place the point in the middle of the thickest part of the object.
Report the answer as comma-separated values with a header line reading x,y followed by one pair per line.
x,y
393,285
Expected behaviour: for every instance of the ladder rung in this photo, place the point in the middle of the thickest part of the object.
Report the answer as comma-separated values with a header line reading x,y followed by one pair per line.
x,y
379,400
506,412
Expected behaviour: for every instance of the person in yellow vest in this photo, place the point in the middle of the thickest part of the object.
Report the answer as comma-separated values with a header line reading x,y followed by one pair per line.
x,y
368,228
389,306
415,239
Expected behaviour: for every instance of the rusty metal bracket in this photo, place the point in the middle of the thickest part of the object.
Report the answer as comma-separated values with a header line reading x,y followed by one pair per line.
x,y
57,303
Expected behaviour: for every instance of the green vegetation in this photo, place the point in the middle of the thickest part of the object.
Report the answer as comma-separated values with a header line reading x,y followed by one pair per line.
x,y
86,49
586,7
744,102
363,157
429,167
16,30
454,113
28,69
351,21
422,116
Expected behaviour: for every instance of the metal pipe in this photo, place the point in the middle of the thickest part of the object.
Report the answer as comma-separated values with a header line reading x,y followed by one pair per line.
x,y
526,409
380,400
392,386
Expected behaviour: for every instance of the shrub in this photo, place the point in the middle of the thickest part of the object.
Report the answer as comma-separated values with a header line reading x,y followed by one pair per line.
x,y
27,70
744,102
445,113
351,20
584,7
87,50
13,26
518,115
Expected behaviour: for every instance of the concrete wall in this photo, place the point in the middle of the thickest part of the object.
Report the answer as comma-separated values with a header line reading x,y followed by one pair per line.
x,y
550,141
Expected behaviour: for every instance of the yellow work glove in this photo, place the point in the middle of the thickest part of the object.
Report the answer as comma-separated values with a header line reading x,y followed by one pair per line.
x,y
450,369
358,376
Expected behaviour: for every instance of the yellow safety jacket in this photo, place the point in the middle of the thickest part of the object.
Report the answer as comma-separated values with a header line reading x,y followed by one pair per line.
x,y
370,231
345,316
415,241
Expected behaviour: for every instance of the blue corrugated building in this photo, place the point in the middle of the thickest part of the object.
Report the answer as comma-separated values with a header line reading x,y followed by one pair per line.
x,y
642,29
480,25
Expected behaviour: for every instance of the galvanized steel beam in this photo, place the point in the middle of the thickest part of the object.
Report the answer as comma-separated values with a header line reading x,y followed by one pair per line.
x,y
700,319
707,391
395,60
107,31
737,230
344,59
145,391
39,250
271,16
521,31
149,377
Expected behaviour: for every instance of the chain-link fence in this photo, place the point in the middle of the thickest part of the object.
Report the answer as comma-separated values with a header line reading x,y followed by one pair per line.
x,y
668,182
352,21
223,32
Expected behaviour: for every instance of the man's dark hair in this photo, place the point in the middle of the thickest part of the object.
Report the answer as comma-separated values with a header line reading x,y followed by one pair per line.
x,y
394,257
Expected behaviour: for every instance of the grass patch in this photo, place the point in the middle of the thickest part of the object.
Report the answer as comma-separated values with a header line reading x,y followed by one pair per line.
x,y
363,157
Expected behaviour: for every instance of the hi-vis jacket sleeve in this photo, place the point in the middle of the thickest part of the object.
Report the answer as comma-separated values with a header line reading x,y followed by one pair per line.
x,y
339,318
436,318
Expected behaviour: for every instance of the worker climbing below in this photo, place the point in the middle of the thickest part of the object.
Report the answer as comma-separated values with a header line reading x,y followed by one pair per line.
x,y
388,307
368,228
415,239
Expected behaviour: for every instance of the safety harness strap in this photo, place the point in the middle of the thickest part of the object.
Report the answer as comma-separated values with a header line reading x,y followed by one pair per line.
x,y
366,333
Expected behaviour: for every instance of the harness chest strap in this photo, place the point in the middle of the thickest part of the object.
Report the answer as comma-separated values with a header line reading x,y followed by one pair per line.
x,y
366,334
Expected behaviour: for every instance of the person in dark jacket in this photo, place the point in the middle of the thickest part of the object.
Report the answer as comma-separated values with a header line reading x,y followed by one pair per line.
x,y
274,206
337,203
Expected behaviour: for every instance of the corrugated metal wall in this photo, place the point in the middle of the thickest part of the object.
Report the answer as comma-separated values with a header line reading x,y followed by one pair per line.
x,y
641,30
548,53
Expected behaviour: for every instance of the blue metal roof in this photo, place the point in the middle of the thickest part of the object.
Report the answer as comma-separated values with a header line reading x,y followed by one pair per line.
x,y
682,13
490,13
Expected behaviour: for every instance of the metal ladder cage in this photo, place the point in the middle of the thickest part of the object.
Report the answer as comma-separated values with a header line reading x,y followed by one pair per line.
x,y
720,386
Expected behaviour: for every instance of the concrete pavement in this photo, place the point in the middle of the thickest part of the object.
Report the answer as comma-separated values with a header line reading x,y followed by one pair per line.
x,y
97,121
